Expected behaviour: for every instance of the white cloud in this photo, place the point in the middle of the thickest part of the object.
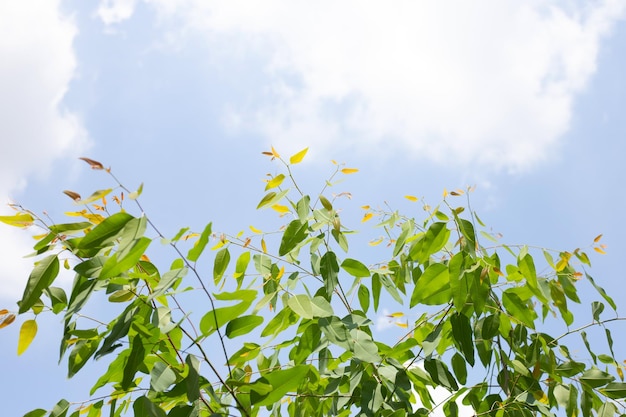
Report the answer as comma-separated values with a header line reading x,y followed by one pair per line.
x,y
487,83
115,11
36,66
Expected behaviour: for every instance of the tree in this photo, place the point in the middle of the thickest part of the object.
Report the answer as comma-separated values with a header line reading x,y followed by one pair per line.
x,y
288,323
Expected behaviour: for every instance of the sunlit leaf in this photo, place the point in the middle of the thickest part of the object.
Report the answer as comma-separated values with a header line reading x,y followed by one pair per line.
x,y
280,208
599,250
40,278
355,268
411,197
349,170
366,217
376,242
275,182
297,158
97,195
27,334
276,155
135,194
198,247
18,220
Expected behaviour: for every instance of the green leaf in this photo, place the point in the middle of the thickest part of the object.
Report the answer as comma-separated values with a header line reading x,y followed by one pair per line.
x,y
596,378
282,381
58,298
335,331
97,195
105,232
364,347
118,329
82,351
308,308
459,368
69,227
433,287
295,233
467,230
136,359
615,390
195,252
222,258
192,381
161,377
285,318
168,280
145,408
376,286
439,372
271,198
124,260
596,309
329,268
462,333
519,309
36,413
364,297
60,409
602,292
242,325
431,242
42,276
355,268
217,318
27,334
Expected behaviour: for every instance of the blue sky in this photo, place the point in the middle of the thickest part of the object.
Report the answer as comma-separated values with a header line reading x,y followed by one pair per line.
x,y
524,100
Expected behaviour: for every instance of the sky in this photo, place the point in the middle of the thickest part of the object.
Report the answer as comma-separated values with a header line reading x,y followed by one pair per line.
x,y
522,99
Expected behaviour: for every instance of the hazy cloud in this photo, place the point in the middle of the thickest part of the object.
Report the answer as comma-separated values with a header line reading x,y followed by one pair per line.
x,y
37,65
484,83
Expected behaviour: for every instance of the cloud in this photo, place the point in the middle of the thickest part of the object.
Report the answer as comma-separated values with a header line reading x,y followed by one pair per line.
x,y
485,83
36,68
115,11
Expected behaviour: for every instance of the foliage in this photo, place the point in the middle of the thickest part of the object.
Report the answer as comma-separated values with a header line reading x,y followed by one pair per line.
x,y
288,322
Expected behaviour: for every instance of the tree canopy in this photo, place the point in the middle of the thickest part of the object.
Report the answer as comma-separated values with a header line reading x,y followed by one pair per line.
x,y
281,322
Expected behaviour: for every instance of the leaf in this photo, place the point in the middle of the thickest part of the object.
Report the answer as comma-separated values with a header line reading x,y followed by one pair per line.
x,y
335,331
329,268
200,245
274,153
217,318
440,374
242,325
366,217
71,194
7,319
105,232
595,378
92,163
349,170
267,198
41,277
433,287
275,182
281,381
411,198
462,333
279,208
18,220
364,297
161,377
168,279
602,292
295,233
355,268
615,390
308,308
97,195
431,242
145,408
297,158
364,347
27,334
222,258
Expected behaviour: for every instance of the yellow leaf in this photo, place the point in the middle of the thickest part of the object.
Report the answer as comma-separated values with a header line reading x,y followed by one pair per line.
x,y
599,250
27,334
275,182
349,170
297,158
280,208
276,155
66,264
366,217
190,235
6,320
255,230
18,220
403,325
411,197
263,246
597,239
4,311
620,372
445,193
144,258
398,314
376,242
239,234
365,207
219,244
281,272
333,162
76,213
94,218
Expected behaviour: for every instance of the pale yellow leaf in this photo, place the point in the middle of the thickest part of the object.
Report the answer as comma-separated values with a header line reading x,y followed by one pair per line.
x,y
275,182
280,208
365,207
297,158
599,250
366,217
255,230
276,155
411,197
27,334
397,314
403,325
263,246
239,234
349,170
376,242
445,193
281,272
190,236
